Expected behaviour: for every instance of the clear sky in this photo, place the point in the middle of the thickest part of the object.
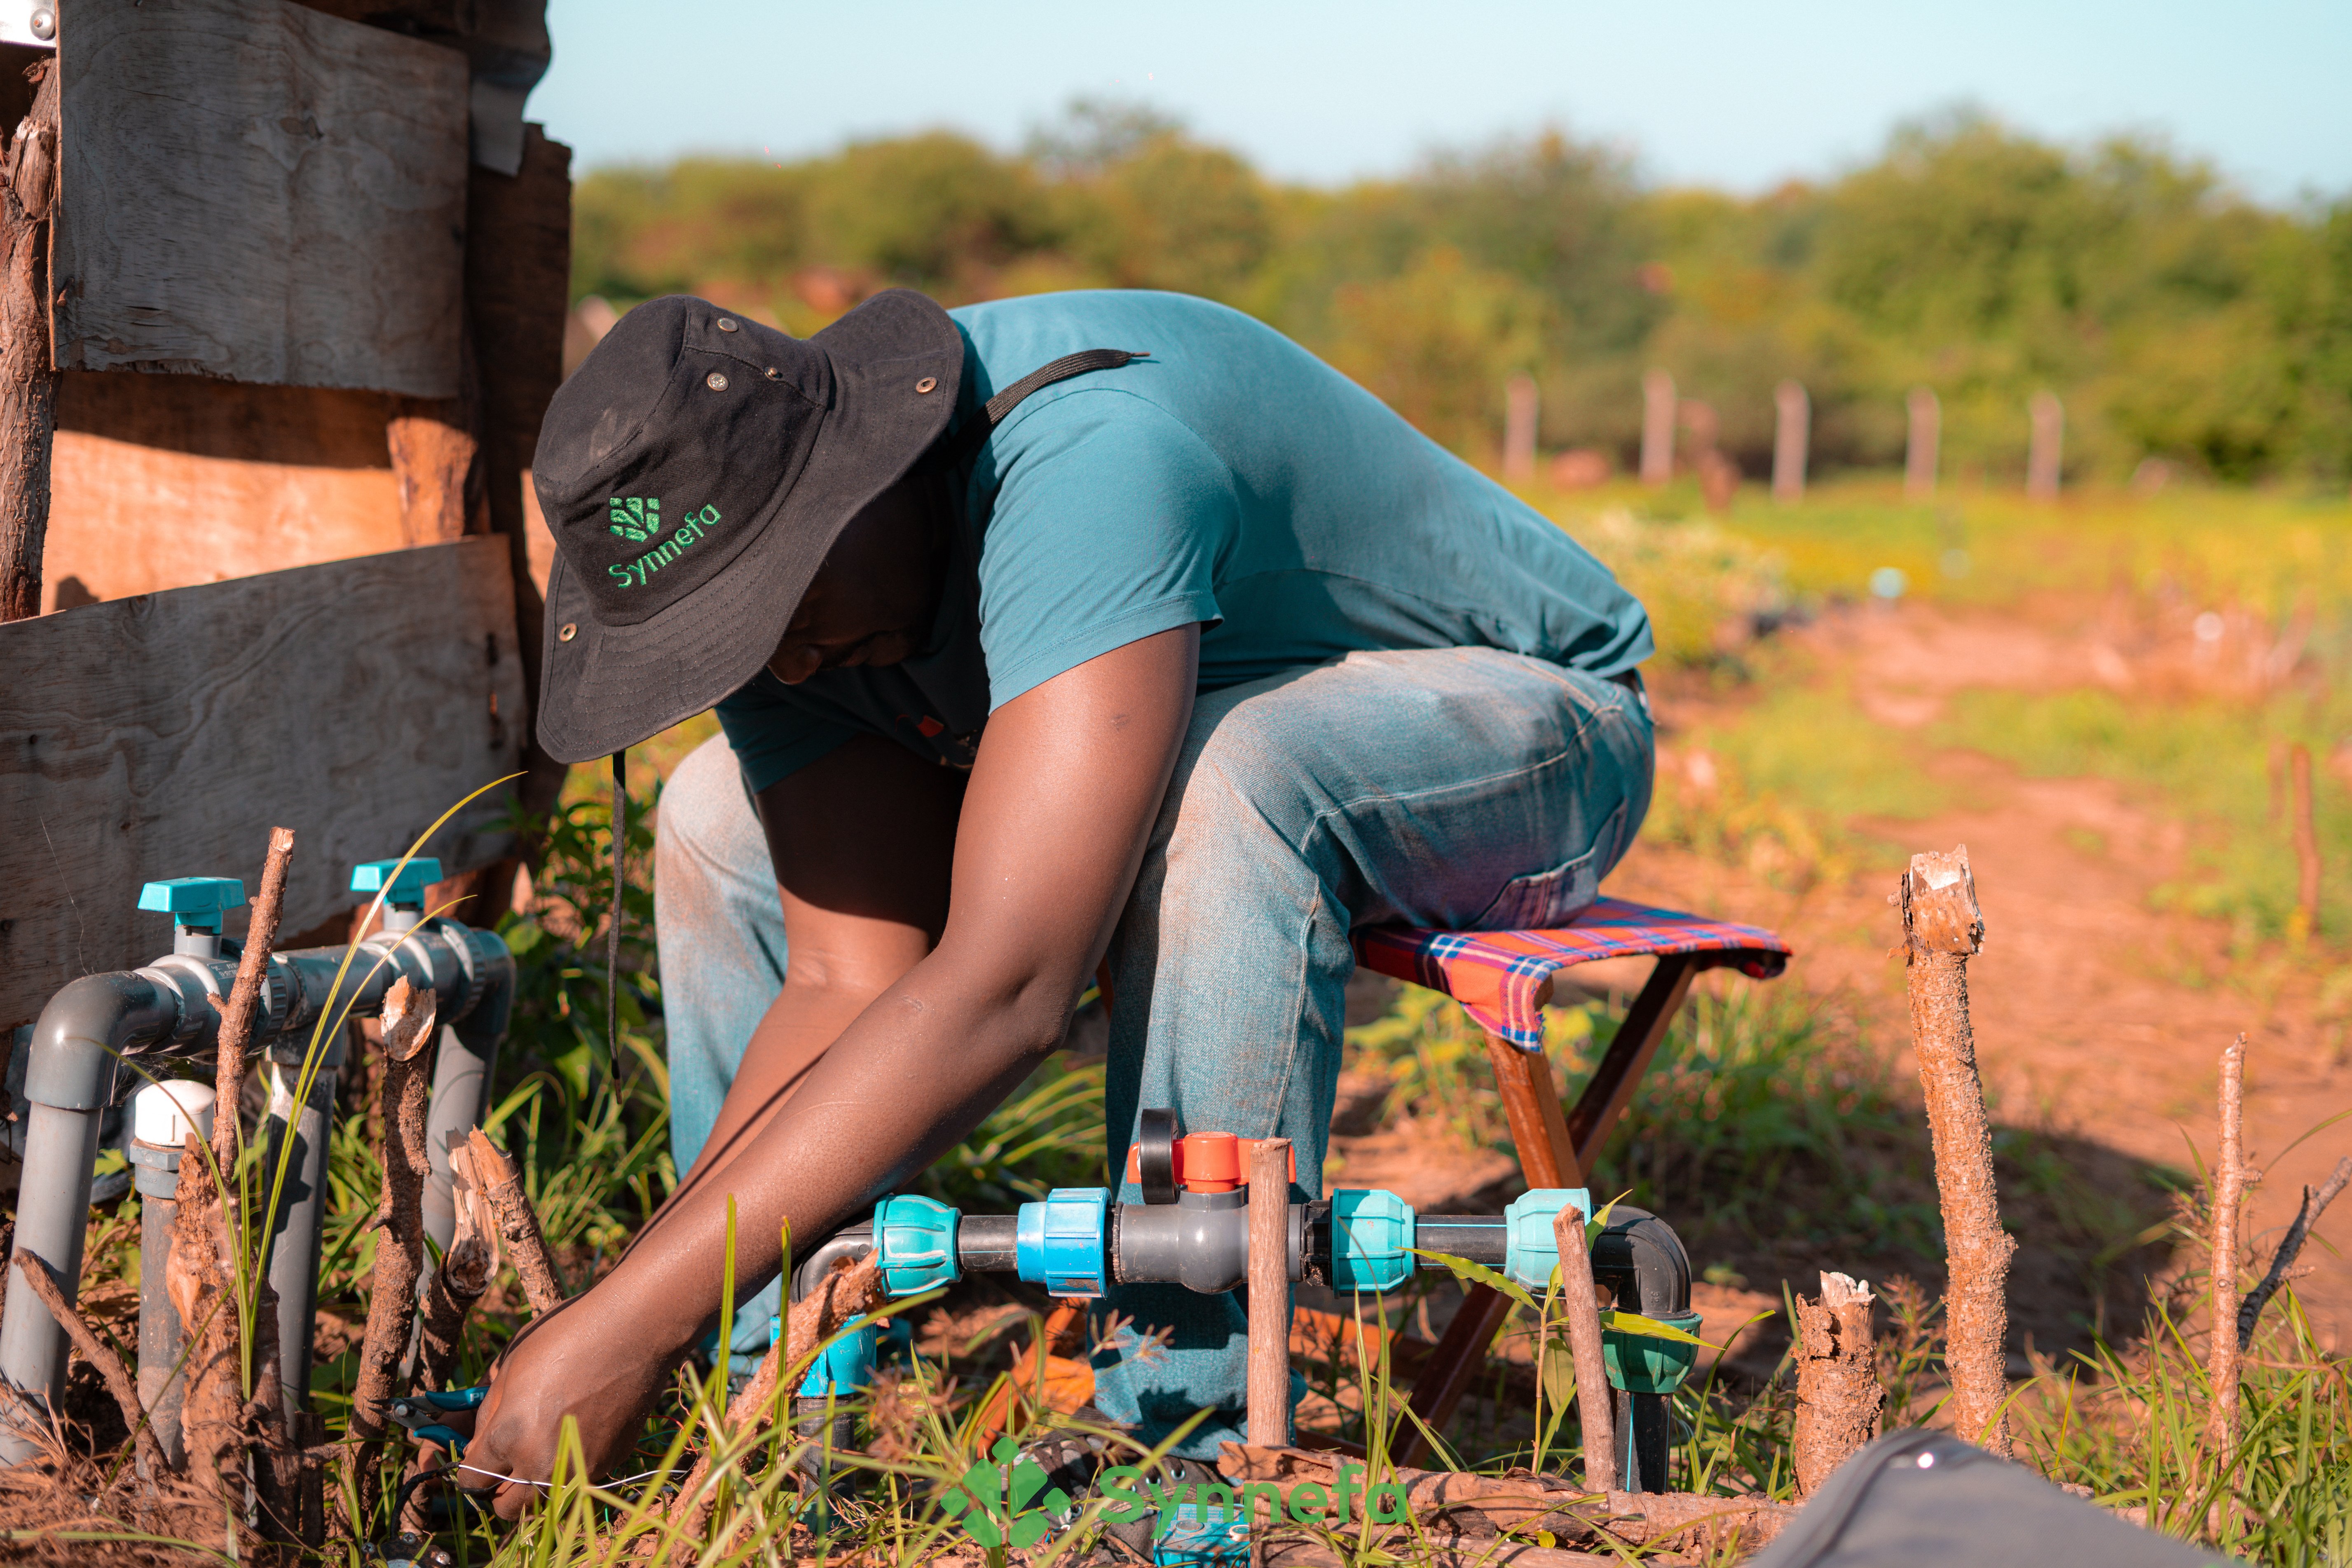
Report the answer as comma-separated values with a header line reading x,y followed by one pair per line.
x,y
1739,96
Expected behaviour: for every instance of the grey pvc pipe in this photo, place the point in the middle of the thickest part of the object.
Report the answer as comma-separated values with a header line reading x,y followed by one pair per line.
x,y
51,1217
91,1026
294,1241
162,1384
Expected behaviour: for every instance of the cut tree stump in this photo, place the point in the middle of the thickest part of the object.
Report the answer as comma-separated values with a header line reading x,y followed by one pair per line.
x,y
1839,1401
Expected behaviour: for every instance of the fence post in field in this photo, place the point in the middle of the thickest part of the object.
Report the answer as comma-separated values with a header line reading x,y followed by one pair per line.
x,y
1657,427
2042,457
1919,453
1519,428
1791,430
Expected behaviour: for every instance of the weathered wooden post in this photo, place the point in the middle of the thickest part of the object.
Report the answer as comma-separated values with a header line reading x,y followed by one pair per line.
x,y
1657,427
1943,928
1268,1366
1919,451
1792,433
28,382
1519,428
2043,456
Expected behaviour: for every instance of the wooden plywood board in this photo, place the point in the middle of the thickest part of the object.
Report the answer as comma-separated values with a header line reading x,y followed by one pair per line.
x,y
163,735
162,481
257,190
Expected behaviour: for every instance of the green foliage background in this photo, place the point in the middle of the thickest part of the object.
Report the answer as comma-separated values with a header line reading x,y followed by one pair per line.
x,y
2179,320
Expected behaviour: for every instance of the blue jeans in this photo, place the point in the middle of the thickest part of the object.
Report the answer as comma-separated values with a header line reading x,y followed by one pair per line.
x,y
1459,787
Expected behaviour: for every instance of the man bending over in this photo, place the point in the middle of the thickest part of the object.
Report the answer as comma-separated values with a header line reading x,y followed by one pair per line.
x,y
1186,653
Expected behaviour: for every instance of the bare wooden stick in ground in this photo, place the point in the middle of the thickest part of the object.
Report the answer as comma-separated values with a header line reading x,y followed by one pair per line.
x,y
235,1034
196,1275
464,1273
1839,1400
2315,1203
100,1354
518,1223
843,1296
1268,1385
2229,1197
1596,1405
1943,928
408,1032
28,379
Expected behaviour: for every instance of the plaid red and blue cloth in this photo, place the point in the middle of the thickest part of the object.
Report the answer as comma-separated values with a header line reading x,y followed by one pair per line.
x,y
1498,975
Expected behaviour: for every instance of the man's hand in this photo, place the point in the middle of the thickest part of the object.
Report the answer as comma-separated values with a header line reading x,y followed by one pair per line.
x,y
1053,827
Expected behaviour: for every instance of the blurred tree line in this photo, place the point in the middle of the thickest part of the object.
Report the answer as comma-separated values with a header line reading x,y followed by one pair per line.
x,y
2179,321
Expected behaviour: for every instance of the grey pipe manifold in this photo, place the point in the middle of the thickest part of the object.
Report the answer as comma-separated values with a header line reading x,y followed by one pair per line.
x,y
103,1036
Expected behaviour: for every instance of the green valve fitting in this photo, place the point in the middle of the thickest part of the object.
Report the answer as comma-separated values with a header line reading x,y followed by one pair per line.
x,y
917,1244
1530,1250
1371,1241
1645,1364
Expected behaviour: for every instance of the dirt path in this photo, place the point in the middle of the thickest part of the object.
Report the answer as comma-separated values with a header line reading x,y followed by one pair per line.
x,y
2093,1016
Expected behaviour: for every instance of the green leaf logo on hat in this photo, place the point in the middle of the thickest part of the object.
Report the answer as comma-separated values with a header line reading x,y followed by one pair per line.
x,y
636,518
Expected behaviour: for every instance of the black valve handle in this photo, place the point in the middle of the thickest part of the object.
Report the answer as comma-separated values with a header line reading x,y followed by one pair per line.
x,y
1155,1155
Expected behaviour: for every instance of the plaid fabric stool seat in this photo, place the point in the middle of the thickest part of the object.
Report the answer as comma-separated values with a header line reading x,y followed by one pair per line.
x,y
1502,978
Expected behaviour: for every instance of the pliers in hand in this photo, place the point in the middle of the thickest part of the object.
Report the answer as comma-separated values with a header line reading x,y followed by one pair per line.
x,y
422,1415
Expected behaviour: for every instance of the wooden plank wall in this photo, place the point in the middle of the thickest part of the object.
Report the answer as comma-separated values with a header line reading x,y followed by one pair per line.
x,y
162,735
341,148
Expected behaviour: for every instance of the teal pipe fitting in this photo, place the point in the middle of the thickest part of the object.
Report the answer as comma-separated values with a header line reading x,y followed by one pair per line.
x,y
1530,1250
1060,1243
402,887
1371,1240
1642,1364
917,1244
845,1366
195,905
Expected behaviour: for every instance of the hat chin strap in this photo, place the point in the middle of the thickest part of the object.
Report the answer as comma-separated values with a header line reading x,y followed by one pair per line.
x,y
972,436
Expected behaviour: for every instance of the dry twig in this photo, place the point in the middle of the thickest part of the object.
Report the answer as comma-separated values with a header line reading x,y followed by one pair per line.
x,y
1943,928
1596,1406
408,1033
501,1184
196,1276
841,1297
2229,1197
2315,1203
236,1019
100,1354
1839,1400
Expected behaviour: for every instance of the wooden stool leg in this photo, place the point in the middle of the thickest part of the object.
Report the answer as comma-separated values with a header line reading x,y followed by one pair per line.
x,y
1605,1098
1556,1149
1546,1159
1452,1366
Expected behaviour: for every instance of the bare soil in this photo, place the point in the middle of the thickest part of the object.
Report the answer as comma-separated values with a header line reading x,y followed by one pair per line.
x,y
2096,1021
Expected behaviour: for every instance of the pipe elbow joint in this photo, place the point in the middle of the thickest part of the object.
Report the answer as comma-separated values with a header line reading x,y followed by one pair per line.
x,y
85,1030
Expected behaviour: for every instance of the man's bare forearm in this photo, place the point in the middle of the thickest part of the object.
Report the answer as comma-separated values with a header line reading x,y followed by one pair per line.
x,y
915,1071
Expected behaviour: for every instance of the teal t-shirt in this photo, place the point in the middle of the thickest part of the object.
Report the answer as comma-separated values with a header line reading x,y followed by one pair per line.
x,y
1232,478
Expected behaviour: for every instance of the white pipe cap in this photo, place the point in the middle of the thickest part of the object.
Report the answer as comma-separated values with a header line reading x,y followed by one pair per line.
x,y
165,1113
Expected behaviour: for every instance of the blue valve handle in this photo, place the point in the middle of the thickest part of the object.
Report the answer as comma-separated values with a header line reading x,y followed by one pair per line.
x,y
195,901
405,889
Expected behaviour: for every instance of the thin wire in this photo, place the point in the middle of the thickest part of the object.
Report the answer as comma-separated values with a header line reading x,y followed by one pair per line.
x,y
616,1481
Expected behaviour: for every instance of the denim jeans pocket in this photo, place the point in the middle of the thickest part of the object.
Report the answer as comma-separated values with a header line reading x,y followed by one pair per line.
x,y
1542,900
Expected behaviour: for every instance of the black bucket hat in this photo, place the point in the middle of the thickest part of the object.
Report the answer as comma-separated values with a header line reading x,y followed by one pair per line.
x,y
695,471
